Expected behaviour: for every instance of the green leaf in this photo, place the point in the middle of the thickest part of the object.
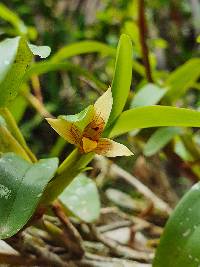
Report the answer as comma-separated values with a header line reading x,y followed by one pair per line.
x,y
155,116
18,106
82,199
13,19
179,245
180,80
41,51
181,150
21,187
148,95
159,139
82,47
15,58
122,77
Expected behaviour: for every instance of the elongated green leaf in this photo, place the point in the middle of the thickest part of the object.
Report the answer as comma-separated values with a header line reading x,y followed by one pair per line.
x,y
82,199
122,77
82,47
159,139
155,116
148,95
21,187
13,19
182,79
15,57
179,245
18,107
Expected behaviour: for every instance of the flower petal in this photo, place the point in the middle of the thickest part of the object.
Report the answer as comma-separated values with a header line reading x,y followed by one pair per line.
x,y
110,148
88,144
103,105
81,119
66,129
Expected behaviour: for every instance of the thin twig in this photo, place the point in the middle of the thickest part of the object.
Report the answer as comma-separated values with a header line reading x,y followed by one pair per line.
x,y
18,260
139,222
118,249
143,33
104,261
74,239
158,203
35,103
36,87
114,226
39,248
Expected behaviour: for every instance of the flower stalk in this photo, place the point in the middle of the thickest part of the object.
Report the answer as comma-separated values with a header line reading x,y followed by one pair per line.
x,y
67,171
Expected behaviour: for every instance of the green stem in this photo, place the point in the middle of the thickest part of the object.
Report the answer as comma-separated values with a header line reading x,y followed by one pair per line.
x,y
67,171
58,147
12,126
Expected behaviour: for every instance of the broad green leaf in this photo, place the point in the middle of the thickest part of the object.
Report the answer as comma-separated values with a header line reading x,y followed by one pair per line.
x,y
21,187
15,58
13,19
155,116
148,95
82,47
122,77
180,80
179,245
41,51
159,139
82,199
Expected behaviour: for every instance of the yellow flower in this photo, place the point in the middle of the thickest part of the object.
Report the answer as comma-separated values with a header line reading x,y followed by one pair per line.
x,y
85,128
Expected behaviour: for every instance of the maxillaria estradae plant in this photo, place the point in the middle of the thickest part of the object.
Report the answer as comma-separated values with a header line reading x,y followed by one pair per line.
x,y
84,129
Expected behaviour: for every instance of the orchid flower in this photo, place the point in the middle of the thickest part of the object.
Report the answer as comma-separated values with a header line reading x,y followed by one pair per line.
x,y
84,129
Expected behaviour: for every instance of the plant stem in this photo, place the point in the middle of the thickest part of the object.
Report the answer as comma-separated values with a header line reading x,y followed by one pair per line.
x,y
37,88
38,105
67,171
14,129
143,33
